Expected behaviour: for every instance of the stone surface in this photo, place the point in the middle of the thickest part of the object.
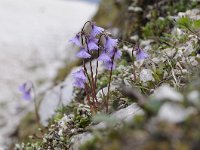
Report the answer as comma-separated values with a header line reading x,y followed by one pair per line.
x,y
146,75
61,94
174,113
80,139
165,92
125,114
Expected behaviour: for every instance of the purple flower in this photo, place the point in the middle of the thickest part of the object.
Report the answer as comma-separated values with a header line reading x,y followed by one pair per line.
x,y
140,54
110,43
76,40
79,84
26,90
79,75
104,57
108,60
95,30
92,44
116,52
83,53
80,78
110,65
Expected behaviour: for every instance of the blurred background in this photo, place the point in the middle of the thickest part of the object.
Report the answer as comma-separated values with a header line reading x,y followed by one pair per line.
x,y
34,46
34,38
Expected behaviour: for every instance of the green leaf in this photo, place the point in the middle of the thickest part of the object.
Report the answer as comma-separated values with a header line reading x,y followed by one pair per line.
x,y
184,22
196,24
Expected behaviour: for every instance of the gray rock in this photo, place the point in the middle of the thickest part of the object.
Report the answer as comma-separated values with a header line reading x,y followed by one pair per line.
x,y
123,115
174,113
80,139
61,94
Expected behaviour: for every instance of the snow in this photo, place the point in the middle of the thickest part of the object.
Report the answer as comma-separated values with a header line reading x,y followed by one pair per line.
x,y
34,38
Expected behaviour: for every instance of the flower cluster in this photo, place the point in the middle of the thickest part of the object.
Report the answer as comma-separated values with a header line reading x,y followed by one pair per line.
x,y
94,40
95,43
97,40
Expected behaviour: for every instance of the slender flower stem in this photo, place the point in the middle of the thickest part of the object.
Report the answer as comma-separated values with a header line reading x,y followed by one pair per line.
x,y
108,95
60,103
87,74
92,74
88,97
97,65
35,104
134,73
85,25
123,41
85,69
110,78
93,83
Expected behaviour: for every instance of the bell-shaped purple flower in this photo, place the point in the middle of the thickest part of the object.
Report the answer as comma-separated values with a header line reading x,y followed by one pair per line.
x,y
110,43
92,44
104,57
109,65
79,84
80,78
116,52
26,90
79,75
83,54
95,30
76,40
140,54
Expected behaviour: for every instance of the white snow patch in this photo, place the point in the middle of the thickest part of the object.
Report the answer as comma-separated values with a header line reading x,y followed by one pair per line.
x,y
34,38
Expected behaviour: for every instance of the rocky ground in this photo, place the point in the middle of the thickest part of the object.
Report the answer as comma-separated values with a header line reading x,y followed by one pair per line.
x,y
154,102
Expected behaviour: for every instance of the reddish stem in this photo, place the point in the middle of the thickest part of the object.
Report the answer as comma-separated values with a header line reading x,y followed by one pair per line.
x,y
89,81
92,75
110,78
88,97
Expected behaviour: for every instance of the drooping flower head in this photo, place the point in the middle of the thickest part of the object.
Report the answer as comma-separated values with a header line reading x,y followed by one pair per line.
x,y
83,53
92,44
79,84
80,79
95,30
26,88
140,54
76,40
104,57
110,43
109,65
115,53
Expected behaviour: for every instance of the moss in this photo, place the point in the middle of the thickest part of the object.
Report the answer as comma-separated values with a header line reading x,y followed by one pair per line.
x,y
27,127
161,26
181,6
91,144
82,116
